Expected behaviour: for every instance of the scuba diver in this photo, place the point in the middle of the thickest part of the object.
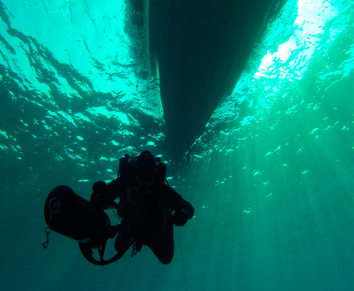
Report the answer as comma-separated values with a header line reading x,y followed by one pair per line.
x,y
148,209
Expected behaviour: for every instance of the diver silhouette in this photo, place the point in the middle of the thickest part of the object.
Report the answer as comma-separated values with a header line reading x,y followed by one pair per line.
x,y
148,208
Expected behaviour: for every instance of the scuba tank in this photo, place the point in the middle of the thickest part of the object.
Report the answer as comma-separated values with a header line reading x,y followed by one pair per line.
x,y
128,163
161,170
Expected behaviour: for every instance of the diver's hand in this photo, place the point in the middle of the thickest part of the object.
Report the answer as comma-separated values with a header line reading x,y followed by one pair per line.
x,y
97,196
179,218
99,187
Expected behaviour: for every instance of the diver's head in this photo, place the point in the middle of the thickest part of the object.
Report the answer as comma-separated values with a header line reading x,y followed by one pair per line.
x,y
145,169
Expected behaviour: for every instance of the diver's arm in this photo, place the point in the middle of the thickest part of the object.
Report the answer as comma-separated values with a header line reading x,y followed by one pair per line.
x,y
183,212
186,207
104,194
114,189
183,209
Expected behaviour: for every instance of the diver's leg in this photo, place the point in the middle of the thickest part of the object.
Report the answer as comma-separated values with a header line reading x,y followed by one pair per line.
x,y
163,245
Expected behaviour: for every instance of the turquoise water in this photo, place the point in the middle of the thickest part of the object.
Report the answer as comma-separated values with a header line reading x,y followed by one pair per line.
x,y
271,178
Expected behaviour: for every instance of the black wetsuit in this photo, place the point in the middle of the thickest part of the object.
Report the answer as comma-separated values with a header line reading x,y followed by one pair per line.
x,y
146,213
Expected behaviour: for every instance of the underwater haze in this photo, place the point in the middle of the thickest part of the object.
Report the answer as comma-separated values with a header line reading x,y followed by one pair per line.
x,y
271,178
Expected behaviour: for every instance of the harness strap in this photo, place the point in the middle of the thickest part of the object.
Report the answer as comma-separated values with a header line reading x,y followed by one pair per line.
x,y
48,229
136,248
